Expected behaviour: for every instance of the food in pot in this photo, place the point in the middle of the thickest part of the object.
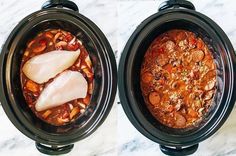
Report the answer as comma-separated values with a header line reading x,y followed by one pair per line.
x,y
178,78
57,76
43,67
68,85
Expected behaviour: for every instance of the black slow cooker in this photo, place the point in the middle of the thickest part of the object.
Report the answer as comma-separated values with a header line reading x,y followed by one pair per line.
x,y
177,14
58,14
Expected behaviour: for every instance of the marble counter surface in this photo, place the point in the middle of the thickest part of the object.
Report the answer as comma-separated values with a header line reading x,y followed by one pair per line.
x,y
117,136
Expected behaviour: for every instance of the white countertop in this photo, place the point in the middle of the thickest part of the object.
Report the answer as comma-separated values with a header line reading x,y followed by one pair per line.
x,y
117,136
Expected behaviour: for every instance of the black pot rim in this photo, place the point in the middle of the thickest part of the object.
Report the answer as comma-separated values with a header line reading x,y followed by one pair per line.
x,y
125,97
108,98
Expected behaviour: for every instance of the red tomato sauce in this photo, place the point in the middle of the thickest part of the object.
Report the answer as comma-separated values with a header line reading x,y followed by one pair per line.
x,y
178,78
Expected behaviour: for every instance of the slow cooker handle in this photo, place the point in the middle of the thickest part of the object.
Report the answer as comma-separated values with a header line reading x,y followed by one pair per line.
x,y
179,151
54,150
176,4
60,3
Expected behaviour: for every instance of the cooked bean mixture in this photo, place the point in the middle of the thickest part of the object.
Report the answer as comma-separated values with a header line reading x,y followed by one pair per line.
x,y
47,41
178,78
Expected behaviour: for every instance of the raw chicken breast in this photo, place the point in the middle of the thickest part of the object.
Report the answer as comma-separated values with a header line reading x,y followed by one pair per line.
x,y
68,86
43,67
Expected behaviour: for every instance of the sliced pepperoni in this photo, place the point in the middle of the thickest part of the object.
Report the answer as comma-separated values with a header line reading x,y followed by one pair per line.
x,y
197,55
40,47
180,120
147,77
154,98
